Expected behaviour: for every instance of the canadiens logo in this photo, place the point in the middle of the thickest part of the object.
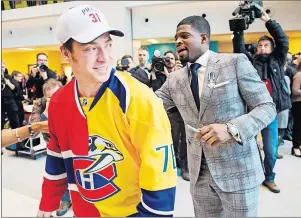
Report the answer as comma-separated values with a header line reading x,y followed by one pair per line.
x,y
95,174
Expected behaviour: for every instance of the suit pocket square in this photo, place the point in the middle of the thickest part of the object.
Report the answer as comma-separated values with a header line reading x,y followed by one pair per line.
x,y
221,84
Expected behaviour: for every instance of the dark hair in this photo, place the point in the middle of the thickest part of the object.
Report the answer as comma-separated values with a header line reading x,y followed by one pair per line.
x,y
143,48
42,53
265,37
197,23
127,56
174,54
68,45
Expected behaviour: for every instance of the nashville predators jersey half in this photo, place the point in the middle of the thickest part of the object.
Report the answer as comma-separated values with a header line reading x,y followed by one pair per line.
x,y
113,152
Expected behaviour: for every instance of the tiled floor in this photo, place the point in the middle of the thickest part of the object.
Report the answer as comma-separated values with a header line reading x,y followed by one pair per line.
x,y
22,178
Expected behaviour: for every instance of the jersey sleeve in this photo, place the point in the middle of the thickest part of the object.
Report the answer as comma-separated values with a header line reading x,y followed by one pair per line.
x,y
150,133
55,178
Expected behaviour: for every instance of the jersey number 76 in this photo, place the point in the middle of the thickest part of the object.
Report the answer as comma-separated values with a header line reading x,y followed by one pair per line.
x,y
166,149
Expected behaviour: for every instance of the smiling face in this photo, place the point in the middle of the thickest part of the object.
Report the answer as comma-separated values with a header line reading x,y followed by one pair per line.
x,y
190,43
91,62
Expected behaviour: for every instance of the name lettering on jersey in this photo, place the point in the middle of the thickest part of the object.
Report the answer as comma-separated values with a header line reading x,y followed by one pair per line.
x,y
96,172
166,149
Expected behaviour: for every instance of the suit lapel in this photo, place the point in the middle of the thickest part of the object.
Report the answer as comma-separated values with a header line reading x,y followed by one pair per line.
x,y
184,83
206,91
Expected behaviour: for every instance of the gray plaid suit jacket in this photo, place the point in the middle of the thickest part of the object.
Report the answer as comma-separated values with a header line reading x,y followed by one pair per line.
x,y
233,167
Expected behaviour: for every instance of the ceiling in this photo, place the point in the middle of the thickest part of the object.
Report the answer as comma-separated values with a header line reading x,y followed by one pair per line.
x,y
224,38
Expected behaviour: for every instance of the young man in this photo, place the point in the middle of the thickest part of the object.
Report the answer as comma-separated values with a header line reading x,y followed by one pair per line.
x,y
211,94
110,136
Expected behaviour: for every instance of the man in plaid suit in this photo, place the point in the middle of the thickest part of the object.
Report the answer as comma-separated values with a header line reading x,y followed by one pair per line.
x,y
224,105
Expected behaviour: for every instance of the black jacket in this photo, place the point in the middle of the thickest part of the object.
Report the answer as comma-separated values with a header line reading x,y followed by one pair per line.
x,y
140,75
273,66
39,82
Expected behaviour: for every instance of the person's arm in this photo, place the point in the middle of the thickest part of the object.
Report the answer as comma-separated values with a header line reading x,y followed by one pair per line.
x,y
164,93
36,111
238,42
262,110
9,136
297,84
55,177
279,36
10,84
150,133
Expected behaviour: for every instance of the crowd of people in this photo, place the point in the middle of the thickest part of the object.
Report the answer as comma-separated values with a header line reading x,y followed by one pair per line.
x,y
117,134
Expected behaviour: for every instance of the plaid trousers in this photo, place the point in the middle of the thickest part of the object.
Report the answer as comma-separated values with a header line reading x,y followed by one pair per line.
x,y
210,201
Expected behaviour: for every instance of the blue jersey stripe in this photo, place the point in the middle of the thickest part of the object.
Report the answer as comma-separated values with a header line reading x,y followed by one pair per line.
x,y
157,203
55,165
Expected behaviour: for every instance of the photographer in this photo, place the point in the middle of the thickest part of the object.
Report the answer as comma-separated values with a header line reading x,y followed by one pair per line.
x,y
176,121
39,74
8,102
161,67
125,63
142,71
269,61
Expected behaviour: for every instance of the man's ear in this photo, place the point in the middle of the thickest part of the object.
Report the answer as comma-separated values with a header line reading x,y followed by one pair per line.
x,y
65,52
205,38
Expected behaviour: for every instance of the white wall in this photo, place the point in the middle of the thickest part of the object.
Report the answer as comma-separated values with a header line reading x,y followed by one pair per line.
x,y
30,26
36,31
163,19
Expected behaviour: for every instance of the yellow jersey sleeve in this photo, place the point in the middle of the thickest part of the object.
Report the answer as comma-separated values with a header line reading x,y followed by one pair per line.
x,y
150,133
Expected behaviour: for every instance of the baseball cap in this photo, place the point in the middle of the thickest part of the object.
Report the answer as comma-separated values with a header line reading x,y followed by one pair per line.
x,y
83,23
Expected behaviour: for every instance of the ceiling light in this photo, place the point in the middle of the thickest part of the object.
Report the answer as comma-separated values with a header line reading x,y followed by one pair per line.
x,y
152,41
26,49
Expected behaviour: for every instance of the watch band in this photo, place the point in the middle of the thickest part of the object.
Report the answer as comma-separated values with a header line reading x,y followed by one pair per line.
x,y
17,136
31,133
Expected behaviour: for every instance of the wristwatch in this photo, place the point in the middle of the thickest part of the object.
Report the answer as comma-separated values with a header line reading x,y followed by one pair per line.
x,y
31,133
233,131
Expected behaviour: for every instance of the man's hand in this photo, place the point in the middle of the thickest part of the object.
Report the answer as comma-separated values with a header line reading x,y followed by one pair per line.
x,y
43,75
265,17
165,72
7,81
178,65
43,214
214,134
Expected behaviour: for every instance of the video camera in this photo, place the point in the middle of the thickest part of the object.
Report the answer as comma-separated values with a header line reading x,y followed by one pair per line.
x,y
42,68
158,62
245,14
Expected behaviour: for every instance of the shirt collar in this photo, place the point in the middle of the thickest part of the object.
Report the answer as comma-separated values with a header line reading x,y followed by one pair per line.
x,y
203,60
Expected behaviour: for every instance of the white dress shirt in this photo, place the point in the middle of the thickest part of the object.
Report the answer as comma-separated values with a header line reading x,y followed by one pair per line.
x,y
203,61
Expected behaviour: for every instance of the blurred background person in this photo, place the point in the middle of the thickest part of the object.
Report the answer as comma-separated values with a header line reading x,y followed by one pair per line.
x,y
40,113
39,74
296,111
142,72
19,95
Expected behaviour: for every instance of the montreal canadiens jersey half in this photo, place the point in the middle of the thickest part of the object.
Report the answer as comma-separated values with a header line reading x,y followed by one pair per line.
x,y
113,152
